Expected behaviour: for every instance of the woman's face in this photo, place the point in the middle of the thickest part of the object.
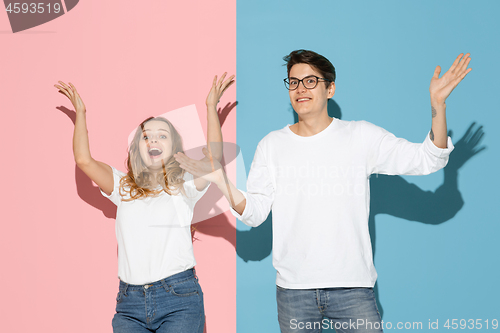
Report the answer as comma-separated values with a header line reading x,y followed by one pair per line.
x,y
155,145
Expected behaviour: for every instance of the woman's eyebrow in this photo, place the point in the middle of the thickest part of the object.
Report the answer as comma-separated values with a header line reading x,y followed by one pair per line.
x,y
161,129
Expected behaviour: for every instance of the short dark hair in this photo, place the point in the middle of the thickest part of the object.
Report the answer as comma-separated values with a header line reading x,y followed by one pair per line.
x,y
315,60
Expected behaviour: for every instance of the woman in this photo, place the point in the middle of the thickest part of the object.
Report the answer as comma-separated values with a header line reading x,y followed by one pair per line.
x,y
159,291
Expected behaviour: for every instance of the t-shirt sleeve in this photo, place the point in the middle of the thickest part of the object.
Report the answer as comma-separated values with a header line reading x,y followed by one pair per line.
x,y
192,193
391,155
260,191
115,196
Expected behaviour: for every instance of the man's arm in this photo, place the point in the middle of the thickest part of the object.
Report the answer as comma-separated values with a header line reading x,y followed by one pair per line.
x,y
395,156
234,196
390,155
252,207
259,198
440,89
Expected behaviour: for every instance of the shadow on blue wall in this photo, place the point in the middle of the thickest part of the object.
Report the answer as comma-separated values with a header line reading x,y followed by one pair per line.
x,y
391,195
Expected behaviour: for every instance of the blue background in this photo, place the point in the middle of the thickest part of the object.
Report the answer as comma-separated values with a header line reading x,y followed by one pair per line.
x,y
436,239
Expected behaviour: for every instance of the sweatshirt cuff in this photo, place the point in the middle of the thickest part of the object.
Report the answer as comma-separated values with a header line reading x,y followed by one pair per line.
x,y
246,211
438,152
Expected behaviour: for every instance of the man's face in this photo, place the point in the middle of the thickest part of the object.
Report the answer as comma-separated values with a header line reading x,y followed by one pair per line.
x,y
309,102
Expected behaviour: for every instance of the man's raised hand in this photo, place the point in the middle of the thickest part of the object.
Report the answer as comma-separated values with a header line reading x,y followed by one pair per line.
x,y
441,87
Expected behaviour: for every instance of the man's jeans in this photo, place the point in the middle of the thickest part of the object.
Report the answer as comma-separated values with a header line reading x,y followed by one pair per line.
x,y
312,310
172,305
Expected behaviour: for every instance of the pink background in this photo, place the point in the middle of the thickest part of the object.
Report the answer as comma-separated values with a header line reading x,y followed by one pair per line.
x,y
128,61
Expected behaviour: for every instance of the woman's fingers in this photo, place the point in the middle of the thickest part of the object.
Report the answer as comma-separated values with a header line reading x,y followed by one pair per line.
x,y
62,91
68,91
64,85
60,87
76,94
228,82
73,88
221,81
219,85
227,86
224,84
68,88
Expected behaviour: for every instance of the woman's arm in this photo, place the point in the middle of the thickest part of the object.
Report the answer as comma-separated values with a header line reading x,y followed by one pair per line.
x,y
214,133
99,172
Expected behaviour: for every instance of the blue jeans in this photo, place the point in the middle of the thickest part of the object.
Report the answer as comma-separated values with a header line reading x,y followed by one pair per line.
x,y
312,310
171,305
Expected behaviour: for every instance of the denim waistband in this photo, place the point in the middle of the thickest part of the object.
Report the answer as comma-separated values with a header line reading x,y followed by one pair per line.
x,y
173,279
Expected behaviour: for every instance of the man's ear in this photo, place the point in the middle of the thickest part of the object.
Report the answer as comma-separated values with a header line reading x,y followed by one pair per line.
x,y
331,90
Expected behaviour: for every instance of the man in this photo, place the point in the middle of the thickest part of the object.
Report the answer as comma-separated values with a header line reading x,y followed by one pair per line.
x,y
314,175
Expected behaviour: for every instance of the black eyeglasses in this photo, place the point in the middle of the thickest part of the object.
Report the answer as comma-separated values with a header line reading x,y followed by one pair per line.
x,y
309,82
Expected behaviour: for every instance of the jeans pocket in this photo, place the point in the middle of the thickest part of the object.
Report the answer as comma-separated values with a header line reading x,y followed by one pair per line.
x,y
119,297
185,288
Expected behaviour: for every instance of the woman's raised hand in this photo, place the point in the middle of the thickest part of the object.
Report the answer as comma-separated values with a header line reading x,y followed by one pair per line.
x,y
218,88
72,94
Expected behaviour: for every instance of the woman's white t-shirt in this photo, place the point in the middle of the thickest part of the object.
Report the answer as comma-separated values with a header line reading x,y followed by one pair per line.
x,y
154,233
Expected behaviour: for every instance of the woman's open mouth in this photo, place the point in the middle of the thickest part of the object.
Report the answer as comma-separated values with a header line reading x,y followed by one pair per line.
x,y
155,152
